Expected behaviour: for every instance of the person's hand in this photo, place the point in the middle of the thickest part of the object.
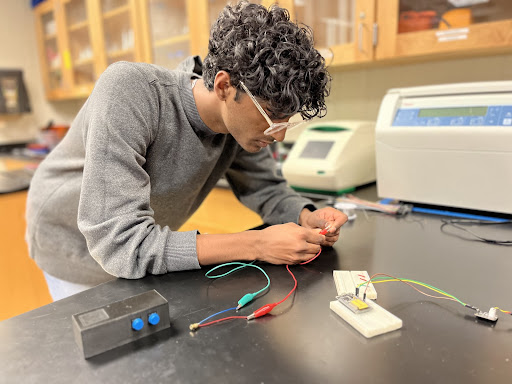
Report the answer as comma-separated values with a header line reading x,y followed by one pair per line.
x,y
288,244
328,217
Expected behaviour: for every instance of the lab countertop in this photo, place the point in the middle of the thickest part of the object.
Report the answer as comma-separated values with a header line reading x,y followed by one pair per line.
x,y
302,340
14,174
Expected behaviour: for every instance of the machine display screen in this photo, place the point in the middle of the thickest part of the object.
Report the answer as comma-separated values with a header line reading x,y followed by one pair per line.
x,y
455,116
449,112
316,149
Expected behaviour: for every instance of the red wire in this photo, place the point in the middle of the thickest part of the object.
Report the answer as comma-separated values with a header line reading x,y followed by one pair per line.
x,y
273,305
313,258
323,232
293,276
294,287
225,318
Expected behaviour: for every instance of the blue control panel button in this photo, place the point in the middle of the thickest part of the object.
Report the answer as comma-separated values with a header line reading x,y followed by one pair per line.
x,y
137,324
153,318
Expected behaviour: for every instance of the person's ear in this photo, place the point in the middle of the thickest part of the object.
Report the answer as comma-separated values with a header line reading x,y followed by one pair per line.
x,y
222,85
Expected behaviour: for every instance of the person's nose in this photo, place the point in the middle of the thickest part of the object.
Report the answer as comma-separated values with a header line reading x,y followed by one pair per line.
x,y
279,136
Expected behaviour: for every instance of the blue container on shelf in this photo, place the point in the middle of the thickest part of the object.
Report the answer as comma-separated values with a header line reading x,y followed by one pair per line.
x,y
35,2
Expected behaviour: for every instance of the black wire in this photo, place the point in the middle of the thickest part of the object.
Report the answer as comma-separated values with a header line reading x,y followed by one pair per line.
x,y
458,225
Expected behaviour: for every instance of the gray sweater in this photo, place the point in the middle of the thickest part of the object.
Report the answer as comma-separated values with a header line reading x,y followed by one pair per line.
x,y
135,164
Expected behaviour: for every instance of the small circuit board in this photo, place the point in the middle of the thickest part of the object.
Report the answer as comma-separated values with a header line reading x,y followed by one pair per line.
x,y
348,281
371,321
354,303
488,316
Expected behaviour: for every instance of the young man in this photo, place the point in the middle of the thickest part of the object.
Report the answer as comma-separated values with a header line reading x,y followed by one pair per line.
x,y
149,144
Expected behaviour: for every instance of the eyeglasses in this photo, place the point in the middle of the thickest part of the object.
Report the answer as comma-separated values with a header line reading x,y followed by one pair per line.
x,y
273,127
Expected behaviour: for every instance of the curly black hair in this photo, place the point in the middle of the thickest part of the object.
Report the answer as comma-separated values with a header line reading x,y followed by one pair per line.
x,y
274,57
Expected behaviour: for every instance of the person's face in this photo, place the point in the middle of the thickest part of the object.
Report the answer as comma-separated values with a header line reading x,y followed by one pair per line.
x,y
246,124
273,127
246,119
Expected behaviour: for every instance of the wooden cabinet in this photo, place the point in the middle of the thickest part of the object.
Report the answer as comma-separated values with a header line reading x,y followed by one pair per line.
x,y
175,29
22,284
118,31
356,31
51,48
410,28
78,39
344,31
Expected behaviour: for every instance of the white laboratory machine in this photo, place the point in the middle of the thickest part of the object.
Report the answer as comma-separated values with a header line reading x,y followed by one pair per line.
x,y
332,157
447,145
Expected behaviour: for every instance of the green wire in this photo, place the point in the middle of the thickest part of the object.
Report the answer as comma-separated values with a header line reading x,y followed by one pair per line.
x,y
384,279
240,266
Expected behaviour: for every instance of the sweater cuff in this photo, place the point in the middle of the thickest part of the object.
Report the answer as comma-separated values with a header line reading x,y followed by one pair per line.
x,y
181,251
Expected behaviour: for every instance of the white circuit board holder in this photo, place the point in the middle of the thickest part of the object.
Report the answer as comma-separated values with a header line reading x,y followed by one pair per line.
x,y
347,281
369,323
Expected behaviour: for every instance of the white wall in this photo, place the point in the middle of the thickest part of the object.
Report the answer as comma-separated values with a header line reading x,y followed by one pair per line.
x,y
18,50
356,94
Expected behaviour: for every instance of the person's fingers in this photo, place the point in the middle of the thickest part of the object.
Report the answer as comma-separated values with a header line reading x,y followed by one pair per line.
x,y
338,222
333,234
312,236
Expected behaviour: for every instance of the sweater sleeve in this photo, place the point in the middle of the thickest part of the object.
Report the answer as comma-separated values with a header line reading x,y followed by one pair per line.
x,y
254,180
114,212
